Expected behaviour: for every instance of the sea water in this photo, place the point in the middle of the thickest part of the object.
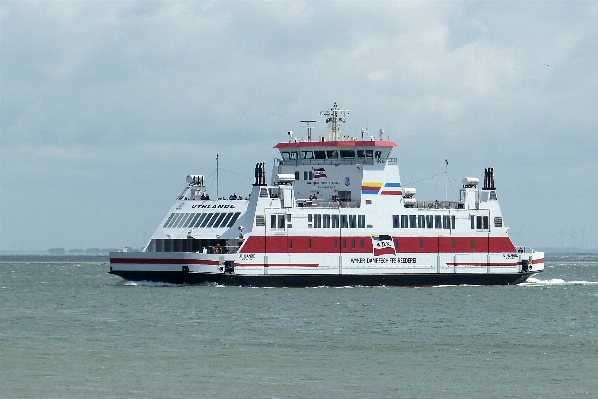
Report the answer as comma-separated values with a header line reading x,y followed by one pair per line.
x,y
71,330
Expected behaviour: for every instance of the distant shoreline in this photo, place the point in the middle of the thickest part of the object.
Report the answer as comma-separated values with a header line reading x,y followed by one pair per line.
x,y
33,257
49,258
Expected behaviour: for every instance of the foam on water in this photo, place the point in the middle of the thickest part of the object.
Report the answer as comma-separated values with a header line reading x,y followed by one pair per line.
x,y
534,282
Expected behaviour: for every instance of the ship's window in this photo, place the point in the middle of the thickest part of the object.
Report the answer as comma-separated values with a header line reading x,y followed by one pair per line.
x,y
360,154
479,222
361,221
472,219
429,221
421,221
454,244
421,243
317,221
206,219
311,175
326,221
413,221
194,220
347,153
169,219
453,222
281,221
213,219
188,220
437,221
485,222
378,154
369,153
360,243
320,154
344,243
201,218
264,192
396,243
285,156
290,243
272,221
473,243
396,221
305,175
352,221
309,217
177,220
182,220
173,220
335,243
404,221
446,221
332,154
219,220
335,223
297,175
344,195
492,195
307,155
293,154
344,222
309,243
288,217
352,243
498,221
260,220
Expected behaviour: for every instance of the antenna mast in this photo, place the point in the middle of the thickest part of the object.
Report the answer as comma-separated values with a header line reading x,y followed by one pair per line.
x,y
308,129
217,177
333,118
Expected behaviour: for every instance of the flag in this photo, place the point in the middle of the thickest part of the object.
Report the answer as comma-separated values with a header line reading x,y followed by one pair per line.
x,y
383,245
319,173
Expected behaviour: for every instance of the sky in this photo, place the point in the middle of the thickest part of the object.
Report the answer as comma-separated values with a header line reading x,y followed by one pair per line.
x,y
106,107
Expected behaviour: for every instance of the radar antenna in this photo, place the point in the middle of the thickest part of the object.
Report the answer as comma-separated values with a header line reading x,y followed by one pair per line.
x,y
333,118
308,127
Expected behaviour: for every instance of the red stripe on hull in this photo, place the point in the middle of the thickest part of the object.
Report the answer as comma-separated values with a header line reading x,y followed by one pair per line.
x,y
155,261
363,244
277,264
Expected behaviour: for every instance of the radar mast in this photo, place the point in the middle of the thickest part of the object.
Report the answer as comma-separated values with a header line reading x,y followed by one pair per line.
x,y
333,118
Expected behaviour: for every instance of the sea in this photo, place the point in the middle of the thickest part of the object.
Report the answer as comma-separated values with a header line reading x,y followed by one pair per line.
x,y
68,329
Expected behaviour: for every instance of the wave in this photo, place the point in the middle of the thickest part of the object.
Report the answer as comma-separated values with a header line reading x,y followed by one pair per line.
x,y
534,282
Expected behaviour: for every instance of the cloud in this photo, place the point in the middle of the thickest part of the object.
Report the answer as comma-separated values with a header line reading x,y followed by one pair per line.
x,y
127,96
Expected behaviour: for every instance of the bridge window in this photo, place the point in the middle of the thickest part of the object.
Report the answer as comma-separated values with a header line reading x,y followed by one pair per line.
x,y
360,154
320,154
297,175
347,154
332,154
369,153
307,155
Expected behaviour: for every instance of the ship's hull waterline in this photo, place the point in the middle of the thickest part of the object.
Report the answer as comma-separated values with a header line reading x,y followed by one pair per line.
x,y
327,280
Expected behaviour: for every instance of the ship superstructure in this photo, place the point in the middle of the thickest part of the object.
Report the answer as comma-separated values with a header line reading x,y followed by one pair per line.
x,y
334,213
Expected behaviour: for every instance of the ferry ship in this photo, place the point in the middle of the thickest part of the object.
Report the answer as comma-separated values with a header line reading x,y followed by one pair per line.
x,y
333,214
